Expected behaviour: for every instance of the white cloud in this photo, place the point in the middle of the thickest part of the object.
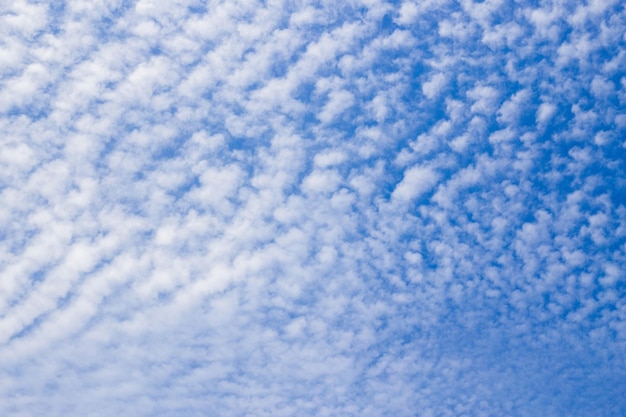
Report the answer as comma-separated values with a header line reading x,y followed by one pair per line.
x,y
512,110
330,158
433,87
417,180
485,98
321,181
338,102
409,12
545,112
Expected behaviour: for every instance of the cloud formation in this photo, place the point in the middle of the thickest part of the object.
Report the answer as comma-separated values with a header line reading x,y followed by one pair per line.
x,y
304,208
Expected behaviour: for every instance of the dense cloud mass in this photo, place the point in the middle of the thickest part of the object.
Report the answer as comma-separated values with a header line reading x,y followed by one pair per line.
x,y
311,208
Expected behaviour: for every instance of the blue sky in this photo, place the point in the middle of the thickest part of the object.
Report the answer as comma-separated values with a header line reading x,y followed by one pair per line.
x,y
277,208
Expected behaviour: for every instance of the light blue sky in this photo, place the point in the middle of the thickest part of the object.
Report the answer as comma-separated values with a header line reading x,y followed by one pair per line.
x,y
309,208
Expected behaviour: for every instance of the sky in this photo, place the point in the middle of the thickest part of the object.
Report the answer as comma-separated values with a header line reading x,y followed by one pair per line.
x,y
312,208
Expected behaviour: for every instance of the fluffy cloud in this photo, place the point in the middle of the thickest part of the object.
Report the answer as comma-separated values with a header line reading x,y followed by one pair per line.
x,y
416,181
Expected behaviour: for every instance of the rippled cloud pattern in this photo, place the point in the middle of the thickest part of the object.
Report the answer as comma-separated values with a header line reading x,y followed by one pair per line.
x,y
312,208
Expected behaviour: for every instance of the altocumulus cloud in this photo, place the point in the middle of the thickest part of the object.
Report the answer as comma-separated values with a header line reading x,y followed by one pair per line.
x,y
278,208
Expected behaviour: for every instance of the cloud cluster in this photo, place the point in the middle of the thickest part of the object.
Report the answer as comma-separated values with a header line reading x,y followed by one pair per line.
x,y
298,208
